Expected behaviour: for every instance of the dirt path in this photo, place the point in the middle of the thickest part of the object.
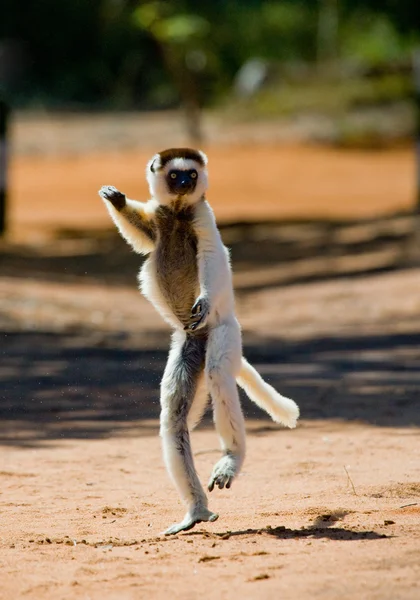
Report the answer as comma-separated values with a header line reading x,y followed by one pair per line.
x,y
329,511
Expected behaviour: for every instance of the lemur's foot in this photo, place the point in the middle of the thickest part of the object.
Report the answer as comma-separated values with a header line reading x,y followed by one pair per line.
x,y
110,193
199,313
196,516
224,472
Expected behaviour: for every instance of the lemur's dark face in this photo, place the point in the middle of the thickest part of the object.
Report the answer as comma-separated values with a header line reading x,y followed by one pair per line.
x,y
181,182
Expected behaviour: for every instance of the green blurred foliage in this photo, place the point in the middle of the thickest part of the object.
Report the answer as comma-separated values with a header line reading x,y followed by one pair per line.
x,y
373,39
135,54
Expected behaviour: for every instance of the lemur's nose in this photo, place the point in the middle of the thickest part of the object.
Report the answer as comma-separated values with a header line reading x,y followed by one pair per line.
x,y
184,183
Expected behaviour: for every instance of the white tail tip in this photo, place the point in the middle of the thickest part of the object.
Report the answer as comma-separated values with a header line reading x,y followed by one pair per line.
x,y
281,409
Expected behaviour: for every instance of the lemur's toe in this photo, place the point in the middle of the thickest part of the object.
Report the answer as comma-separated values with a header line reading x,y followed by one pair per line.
x,y
180,527
225,482
224,472
198,516
222,481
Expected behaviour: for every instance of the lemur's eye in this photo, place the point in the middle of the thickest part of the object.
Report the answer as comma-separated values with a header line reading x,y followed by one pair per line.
x,y
193,174
173,175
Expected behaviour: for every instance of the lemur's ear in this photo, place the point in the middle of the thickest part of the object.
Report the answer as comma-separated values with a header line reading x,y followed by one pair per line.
x,y
154,164
203,157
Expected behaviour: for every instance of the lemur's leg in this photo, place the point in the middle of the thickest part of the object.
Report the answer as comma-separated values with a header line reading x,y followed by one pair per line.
x,y
133,219
178,388
223,359
199,404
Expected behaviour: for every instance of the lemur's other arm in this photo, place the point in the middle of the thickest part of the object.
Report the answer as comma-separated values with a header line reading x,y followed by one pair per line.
x,y
133,219
216,293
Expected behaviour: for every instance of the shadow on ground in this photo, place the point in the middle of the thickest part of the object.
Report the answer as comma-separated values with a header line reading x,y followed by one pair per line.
x,y
68,385
285,533
287,252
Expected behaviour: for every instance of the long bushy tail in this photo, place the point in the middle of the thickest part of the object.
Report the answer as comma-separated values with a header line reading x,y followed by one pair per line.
x,y
281,409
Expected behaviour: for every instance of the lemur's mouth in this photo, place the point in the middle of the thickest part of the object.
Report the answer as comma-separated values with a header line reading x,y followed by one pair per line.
x,y
184,187
184,192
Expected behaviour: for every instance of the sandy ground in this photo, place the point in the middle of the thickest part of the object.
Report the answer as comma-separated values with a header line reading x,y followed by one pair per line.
x,y
330,510
331,316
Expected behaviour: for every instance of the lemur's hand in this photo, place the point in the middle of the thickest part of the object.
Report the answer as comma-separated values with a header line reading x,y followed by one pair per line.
x,y
110,193
199,313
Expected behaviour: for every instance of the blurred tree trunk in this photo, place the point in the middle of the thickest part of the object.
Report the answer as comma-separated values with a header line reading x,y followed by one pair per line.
x,y
414,245
186,85
416,89
327,42
4,125
175,34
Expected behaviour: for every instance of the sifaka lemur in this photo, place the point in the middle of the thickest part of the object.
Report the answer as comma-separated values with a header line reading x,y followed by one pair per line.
x,y
188,279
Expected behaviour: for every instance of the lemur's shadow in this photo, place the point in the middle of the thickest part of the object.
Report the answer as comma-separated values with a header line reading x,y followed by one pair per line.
x,y
285,533
322,527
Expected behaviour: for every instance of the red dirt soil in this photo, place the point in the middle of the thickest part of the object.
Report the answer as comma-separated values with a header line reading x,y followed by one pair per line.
x,y
247,183
328,511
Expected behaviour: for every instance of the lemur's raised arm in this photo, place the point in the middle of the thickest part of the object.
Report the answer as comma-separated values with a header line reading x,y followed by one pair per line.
x,y
188,279
134,220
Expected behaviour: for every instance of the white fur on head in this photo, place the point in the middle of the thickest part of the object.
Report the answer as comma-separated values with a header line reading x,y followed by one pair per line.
x,y
156,177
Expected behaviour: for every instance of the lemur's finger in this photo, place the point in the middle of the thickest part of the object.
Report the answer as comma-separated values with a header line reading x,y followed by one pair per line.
x,y
196,308
195,324
201,305
199,313
107,190
198,317
110,193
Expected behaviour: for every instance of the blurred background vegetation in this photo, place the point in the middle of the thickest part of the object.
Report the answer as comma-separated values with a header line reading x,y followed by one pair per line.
x,y
253,58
